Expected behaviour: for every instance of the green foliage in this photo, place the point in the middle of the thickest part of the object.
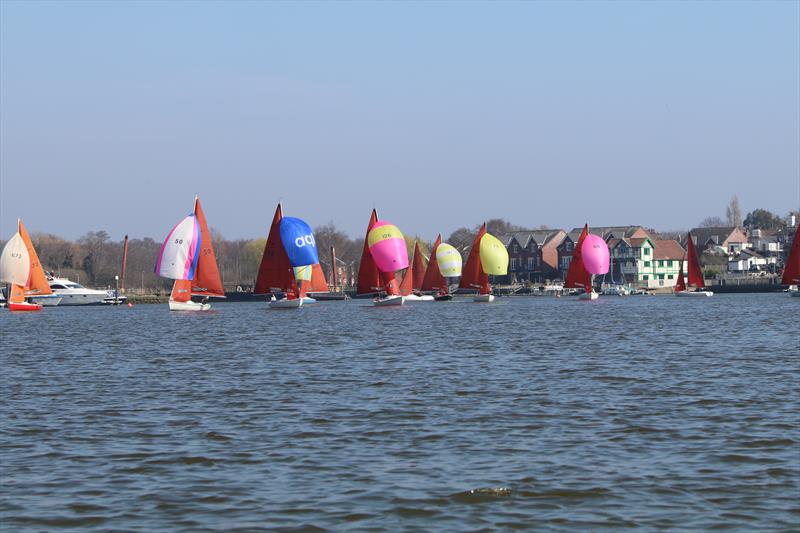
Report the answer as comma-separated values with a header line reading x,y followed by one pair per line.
x,y
763,219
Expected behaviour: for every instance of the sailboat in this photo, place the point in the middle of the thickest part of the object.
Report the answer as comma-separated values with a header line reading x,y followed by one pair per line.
x,y
680,284
20,267
590,258
383,254
791,271
696,282
187,256
289,251
411,285
445,262
487,256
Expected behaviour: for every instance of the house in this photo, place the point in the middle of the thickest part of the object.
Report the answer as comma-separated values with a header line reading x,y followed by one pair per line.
x,y
532,255
748,260
646,262
732,239
766,242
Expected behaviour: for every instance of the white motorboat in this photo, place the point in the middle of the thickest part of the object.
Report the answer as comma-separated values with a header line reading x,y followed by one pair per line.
x,y
71,293
616,290
483,298
588,296
47,300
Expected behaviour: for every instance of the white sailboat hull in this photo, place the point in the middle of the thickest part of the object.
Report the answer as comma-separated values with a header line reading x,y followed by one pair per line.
x,y
694,294
285,303
188,306
418,298
389,301
588,296
483,298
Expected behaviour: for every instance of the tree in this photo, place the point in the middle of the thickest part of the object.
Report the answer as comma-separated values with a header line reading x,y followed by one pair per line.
x,y
462,238
733,213
763,219
711,222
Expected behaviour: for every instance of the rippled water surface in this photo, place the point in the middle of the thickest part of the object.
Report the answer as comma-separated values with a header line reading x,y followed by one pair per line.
x,y
643,411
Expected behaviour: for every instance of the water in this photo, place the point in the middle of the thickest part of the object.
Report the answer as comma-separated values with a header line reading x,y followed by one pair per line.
x,y
655,412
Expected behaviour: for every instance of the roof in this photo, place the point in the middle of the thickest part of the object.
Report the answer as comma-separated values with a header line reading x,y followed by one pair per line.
x,y
668,249
717,235
540,237
606,232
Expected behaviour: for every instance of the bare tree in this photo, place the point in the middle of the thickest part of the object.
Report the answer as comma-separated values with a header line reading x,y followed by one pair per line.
x,y
733,212
712,222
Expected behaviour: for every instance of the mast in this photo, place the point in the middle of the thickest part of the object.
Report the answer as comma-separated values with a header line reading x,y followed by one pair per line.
x,y
124,262
334,269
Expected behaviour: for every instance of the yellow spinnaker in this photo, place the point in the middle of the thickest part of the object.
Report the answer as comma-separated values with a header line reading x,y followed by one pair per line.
x,y
449,260
302,273
494,256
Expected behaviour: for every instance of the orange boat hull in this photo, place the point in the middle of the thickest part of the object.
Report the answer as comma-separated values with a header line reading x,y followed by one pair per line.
x,y
24,306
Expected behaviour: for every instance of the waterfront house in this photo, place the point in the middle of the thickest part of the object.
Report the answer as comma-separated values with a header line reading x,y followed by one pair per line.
x,y
646,262
732,239
748,260
532,255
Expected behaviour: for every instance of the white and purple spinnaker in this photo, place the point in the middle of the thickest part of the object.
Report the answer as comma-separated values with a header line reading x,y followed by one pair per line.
x,y
180,252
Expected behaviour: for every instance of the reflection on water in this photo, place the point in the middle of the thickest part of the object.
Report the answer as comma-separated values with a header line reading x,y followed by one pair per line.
x,y
639,411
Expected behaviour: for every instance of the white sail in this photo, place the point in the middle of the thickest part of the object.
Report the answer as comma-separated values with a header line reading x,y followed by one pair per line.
x,y
15,262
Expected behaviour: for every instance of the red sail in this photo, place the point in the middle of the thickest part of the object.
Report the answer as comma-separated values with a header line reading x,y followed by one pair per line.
x,y
318,283
680,285
181,290
275,274
207,281
695,272
412,279
473,276
577,276
433,279
408,280
418,267
791,272
370,280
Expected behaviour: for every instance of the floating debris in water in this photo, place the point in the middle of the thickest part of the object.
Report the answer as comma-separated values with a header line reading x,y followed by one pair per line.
x,y
492,491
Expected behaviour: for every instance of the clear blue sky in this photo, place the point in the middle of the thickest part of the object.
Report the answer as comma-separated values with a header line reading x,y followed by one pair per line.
x,y
113,114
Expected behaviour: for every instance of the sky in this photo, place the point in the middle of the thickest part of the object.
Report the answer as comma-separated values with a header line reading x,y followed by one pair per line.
x,y
114,114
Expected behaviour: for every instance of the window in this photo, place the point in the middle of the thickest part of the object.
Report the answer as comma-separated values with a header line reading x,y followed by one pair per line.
x,y
645,277
669,264
647,251
647,263
661,276
530,263
660,263
513,263
669,276
516,249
